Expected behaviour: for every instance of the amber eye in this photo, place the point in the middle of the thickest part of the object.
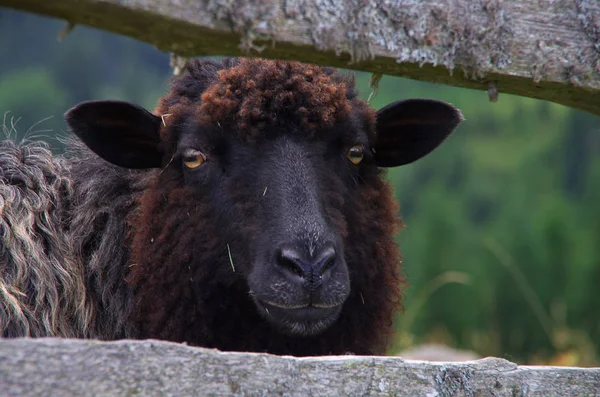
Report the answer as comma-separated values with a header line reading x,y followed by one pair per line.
x,y
193,159
355,154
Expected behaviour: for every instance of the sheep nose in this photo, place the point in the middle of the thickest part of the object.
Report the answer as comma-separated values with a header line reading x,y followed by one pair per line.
x,y
310,268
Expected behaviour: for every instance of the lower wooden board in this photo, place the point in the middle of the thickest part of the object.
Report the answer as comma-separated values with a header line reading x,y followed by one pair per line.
x,y
66,367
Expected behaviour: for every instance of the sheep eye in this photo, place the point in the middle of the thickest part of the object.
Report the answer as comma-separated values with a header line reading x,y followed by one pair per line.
x,y
355,154
193,159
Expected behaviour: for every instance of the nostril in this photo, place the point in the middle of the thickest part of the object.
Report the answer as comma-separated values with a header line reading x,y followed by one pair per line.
x,y
325,261
288,260
308,267
327,265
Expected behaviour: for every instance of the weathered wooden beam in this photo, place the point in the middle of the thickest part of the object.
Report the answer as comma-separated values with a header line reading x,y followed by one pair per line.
x,y
62,367
546,49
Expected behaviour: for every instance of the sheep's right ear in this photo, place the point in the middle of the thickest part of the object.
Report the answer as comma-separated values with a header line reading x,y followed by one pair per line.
x,y
121,133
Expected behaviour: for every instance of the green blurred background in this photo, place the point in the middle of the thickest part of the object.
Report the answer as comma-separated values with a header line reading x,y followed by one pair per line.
x,y
502,244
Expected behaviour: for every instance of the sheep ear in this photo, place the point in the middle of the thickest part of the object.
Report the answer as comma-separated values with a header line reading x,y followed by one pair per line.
x,y
121,133
410,129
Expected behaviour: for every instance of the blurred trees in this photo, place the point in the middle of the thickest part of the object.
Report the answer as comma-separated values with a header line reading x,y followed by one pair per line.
x,y
41,78
502,244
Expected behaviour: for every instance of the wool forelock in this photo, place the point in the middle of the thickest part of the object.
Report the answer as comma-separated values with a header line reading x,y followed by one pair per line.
x,y
252,96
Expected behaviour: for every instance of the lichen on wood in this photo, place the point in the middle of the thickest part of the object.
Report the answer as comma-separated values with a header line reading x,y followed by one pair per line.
x,y
546,49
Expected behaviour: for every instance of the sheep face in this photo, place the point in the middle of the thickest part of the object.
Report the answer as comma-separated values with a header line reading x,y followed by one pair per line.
x,y
269,195
277,218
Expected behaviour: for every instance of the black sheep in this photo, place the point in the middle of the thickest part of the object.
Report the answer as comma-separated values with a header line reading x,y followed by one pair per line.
x,y
249,213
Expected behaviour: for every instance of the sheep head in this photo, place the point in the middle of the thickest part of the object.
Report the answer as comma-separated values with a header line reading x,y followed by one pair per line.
x,y
268,194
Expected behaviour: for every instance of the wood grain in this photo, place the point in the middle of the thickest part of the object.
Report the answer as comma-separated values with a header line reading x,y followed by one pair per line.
x,y
546,49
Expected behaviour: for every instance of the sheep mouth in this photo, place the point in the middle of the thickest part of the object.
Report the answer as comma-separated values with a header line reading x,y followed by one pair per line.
x,y
300,320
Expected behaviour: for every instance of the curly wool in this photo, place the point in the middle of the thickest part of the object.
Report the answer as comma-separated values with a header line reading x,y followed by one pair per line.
x,y
63,259
104,198
251,96
42,288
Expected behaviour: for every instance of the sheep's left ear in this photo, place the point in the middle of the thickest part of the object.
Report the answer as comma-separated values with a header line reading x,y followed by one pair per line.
x,y
121,133
410,129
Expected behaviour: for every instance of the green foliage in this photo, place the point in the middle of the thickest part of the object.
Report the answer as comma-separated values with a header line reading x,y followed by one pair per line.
x,y
508,201
21,90
502,243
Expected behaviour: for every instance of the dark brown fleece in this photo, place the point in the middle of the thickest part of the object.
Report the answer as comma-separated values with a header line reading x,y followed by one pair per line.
x,y
184,286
